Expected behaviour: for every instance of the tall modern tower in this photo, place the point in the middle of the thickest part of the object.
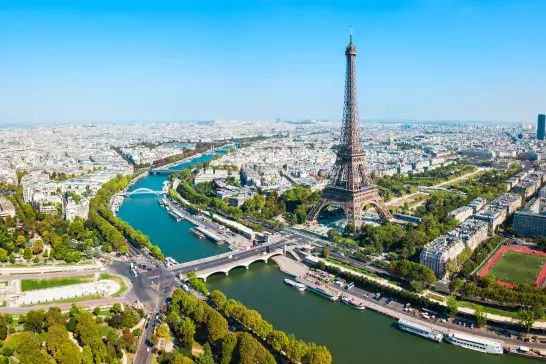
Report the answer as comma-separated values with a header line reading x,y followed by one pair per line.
x,y
350,186
541,127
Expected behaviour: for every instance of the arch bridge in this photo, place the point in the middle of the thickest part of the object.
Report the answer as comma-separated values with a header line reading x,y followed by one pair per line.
x,y
237,263
143,191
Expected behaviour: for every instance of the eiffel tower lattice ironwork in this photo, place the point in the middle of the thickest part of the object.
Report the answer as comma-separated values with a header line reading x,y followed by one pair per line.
x,y
350,186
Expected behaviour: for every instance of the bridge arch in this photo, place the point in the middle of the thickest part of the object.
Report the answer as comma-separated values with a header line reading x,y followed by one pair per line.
x,y
143,191
238,264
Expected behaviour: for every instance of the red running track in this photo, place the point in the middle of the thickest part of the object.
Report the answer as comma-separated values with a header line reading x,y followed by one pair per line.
x,y
522,249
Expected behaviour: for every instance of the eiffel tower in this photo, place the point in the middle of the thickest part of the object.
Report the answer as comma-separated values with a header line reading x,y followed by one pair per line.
x,y
350,186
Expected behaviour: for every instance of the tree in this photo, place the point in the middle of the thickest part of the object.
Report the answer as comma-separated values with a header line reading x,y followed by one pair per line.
x,y
250,318
350,228
27,253
35,321
200,312
3,328
416,286
325,253
28,350
54,316
116,308
3,255
116,321
218,298
96,311
217,326
68,353
278,340
37,247
262,328
87,355
206,357
333,234
74,311
481,316
88,333
319,355
161,332
321,265
526,319
456,284
130,318
129,342
229,342
452,305
187,332
21,241
296,349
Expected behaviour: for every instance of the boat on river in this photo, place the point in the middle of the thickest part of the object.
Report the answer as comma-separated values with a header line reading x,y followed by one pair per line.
x,y
476,343
300,287
197,233
420,330
351,303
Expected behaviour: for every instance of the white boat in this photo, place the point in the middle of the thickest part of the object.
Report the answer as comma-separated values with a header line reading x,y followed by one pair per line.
x,y
475,343
351,303
419,329
300,287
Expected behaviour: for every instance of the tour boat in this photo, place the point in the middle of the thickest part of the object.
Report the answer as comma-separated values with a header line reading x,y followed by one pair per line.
x,y
300,287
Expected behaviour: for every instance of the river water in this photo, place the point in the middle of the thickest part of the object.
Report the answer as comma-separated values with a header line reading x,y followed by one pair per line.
x,y
352,336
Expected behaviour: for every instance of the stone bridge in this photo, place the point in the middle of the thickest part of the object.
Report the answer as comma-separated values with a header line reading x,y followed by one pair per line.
x,y
203,271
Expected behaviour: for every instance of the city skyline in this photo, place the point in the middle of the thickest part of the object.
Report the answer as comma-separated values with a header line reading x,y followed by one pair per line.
x,y
133,62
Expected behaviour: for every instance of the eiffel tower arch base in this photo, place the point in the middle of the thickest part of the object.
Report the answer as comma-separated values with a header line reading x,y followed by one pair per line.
x,y
352,203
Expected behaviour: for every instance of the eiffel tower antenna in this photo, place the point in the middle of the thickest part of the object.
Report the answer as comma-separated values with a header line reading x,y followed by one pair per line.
x,y
350,186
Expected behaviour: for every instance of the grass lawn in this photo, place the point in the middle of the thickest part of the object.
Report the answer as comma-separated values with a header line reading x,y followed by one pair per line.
x,y
517,268
34,284
493,311
436,297
117,279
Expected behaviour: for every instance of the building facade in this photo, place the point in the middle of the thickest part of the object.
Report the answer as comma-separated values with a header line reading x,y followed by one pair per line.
x,y
541,126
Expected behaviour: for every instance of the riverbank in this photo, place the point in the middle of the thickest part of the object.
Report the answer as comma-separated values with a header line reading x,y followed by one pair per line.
x,y
387,307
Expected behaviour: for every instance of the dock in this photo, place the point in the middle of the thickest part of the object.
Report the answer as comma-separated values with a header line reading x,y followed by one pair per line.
x,y
320,288
209,234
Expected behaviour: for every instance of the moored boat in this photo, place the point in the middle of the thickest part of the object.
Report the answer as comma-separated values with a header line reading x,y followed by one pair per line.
x,y
197,233
420,330
300,287
476,343
351,303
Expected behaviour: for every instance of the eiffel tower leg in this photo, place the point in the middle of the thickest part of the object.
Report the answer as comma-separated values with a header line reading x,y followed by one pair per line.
x,y
313,215
354,215
382,209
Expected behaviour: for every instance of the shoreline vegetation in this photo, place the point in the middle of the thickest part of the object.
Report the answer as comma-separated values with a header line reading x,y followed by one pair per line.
x,y
234,333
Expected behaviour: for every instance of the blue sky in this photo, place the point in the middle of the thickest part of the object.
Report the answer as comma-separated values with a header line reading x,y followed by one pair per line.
x,y
131,61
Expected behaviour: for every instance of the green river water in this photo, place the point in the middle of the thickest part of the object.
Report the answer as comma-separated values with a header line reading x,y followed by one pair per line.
x,y
352,336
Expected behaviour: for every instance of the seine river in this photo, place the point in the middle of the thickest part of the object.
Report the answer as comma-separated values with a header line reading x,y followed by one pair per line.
x,y
352,336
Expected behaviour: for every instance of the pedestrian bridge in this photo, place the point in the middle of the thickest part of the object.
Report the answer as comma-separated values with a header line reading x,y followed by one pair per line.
x,y
236,263
142,191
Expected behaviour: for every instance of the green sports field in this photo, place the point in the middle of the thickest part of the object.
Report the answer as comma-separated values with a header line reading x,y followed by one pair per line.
x,y
517,268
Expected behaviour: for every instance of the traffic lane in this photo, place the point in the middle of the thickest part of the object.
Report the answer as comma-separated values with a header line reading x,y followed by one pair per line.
x,y
144,351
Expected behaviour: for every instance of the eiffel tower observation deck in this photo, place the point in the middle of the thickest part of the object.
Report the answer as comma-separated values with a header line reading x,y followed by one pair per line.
x,y
350,186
